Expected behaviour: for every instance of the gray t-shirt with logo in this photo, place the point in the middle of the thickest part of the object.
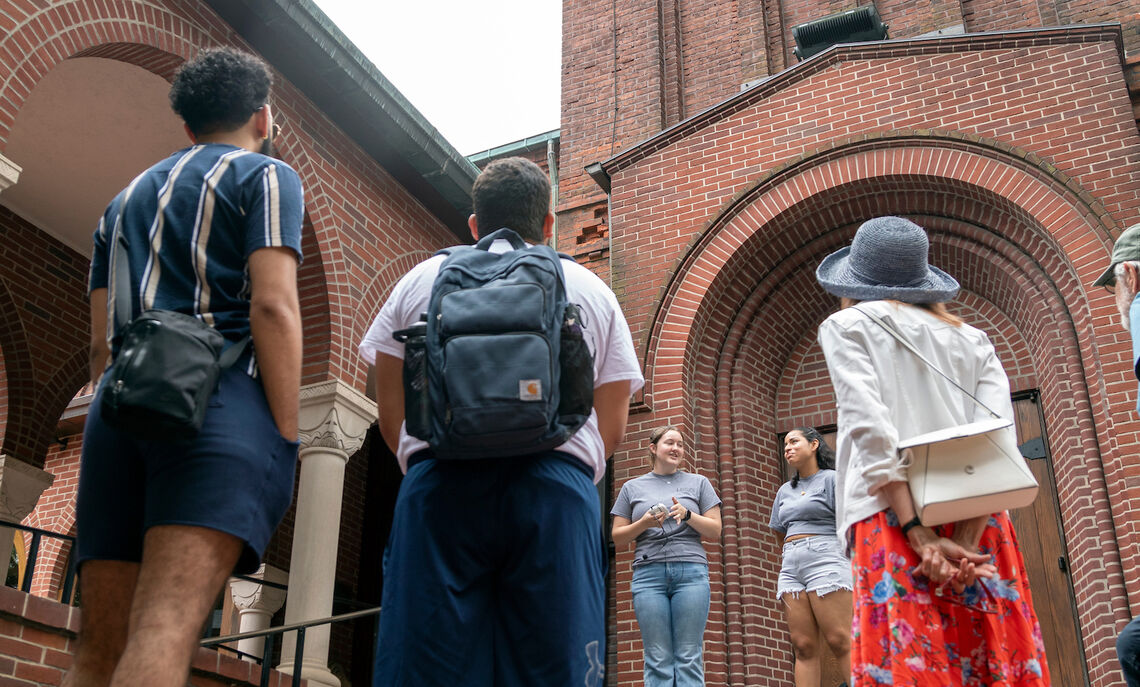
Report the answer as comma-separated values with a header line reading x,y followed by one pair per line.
x,y
674,543
807,508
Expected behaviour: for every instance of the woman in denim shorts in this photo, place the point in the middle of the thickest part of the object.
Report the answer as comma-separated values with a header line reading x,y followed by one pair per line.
x,y
815,578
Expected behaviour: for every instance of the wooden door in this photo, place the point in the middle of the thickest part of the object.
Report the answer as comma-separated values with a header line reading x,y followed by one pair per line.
x,y
1042,542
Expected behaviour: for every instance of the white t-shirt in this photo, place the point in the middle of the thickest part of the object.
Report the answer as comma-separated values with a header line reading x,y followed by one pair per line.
x,y
604,328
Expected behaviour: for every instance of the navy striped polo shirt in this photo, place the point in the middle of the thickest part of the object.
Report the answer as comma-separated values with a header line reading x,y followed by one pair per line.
x,y
191,222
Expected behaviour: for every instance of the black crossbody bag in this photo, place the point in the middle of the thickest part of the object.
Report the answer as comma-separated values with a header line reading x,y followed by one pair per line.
x,y
168,365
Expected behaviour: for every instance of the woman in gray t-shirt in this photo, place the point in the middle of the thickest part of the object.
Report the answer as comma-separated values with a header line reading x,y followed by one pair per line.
x,y
815,578
667,512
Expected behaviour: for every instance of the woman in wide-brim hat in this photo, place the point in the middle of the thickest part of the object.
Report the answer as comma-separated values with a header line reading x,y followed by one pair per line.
x,y
948,605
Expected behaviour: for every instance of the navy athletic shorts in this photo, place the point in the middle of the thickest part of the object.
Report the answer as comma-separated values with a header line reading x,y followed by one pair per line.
x,y
236,476
494,575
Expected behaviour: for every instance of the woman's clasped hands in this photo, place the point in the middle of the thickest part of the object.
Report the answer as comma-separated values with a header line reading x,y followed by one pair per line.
x,y
947,562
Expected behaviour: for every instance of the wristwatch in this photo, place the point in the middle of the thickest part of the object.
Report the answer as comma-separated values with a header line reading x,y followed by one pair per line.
x,y
910,525
688,514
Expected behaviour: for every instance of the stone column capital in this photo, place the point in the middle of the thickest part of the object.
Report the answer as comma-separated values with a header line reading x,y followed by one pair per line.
x,y
9,173
249,595
20,487
334,416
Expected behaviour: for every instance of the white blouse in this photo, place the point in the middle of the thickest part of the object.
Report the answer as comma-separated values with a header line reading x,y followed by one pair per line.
x,y
885,393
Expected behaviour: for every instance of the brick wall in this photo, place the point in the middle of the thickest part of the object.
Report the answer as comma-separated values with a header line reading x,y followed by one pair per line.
x,y
631,69
359,219
718,225
56,513
37,639
44,333
3,394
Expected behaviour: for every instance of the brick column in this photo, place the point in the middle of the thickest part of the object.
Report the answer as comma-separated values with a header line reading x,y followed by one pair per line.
x,y
334,420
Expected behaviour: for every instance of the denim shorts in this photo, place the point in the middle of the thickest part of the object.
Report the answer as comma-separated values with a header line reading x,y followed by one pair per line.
x,y
814,564
236,476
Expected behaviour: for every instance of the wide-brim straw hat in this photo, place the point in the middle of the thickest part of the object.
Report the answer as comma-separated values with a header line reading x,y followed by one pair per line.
x,y
888,260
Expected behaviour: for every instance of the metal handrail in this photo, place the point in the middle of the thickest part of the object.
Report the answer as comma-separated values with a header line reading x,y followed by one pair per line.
x,y
290,627
33,554
267,583
299,628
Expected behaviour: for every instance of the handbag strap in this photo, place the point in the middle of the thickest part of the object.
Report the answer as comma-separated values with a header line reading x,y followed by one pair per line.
x,y
918,354
122,296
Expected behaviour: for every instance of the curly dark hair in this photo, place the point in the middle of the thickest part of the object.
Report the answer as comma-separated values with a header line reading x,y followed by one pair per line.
x,y
219,89
512,192
824,456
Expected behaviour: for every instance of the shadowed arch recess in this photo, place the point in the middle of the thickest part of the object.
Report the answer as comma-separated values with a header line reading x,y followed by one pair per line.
x,y
991,235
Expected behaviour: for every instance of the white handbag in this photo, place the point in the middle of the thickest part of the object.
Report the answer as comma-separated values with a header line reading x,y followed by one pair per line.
x,y
962,472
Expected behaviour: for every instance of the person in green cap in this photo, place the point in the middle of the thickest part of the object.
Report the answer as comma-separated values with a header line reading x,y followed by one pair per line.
x,y
1123,278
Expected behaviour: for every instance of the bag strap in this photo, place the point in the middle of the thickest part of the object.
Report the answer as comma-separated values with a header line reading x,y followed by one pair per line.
x,y
122,298
910,347
122,294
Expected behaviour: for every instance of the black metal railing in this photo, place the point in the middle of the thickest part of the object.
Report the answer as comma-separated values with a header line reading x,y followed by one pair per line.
x,y
33,556
266,658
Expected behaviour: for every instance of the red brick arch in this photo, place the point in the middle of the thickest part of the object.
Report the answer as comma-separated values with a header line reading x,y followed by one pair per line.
x,y
160,39
377,290
1019,235
19,381
144,34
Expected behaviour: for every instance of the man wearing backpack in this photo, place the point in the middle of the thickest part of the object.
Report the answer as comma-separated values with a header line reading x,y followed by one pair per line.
x,y
212,232
494,573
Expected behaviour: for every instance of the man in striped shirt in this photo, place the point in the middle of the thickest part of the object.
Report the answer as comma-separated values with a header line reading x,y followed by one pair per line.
x,y
213,231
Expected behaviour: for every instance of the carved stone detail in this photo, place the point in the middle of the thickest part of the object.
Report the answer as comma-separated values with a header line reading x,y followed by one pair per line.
x,y
334,415
9,173
249,595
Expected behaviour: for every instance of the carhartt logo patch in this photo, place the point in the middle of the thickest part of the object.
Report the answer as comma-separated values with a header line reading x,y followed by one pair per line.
x,y
530,389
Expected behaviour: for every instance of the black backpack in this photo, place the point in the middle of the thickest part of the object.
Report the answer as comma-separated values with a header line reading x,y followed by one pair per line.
x,y
497,366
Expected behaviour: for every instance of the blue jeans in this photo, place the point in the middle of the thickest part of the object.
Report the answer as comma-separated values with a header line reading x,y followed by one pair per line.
x,y
671,601
1128,651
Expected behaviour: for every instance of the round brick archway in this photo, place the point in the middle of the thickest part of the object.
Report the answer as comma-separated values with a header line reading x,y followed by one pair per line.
x,y
743,299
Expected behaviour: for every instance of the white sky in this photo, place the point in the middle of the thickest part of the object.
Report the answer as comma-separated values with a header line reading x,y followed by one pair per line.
x,y
483,72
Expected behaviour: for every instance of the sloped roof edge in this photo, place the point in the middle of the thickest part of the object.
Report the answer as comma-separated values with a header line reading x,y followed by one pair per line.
x,y
308,49
515,147
844,52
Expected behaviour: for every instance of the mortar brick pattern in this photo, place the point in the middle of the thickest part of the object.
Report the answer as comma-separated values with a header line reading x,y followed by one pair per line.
x,y
728,332
44,336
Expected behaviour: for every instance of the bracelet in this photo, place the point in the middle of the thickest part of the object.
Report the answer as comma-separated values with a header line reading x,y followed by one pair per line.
x,y
688,514
911,524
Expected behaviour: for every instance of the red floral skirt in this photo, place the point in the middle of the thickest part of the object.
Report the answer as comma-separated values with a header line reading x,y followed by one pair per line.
x,y
906,635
